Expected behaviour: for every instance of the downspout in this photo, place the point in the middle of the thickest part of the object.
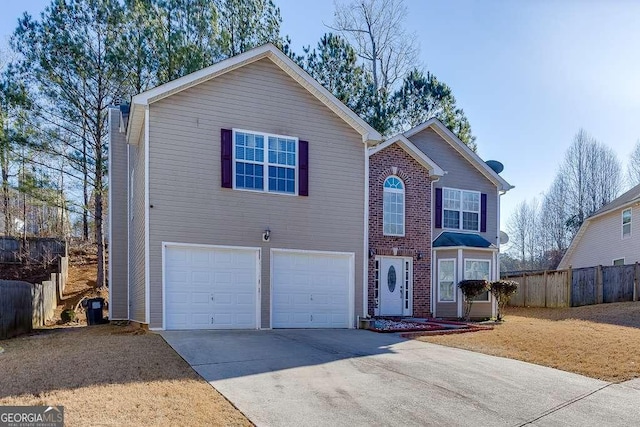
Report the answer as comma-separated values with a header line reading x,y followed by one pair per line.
x,y
365,252
433,254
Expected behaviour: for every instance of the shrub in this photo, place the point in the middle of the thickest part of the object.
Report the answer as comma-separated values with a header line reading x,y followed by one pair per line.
x,y
68,315
503,290
471,289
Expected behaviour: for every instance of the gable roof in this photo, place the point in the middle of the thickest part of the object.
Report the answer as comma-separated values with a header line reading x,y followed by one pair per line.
x,y
625,200
413,151
463,150
451,239
140,102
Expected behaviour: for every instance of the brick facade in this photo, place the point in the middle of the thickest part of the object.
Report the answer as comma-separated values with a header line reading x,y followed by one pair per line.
x,y
393,160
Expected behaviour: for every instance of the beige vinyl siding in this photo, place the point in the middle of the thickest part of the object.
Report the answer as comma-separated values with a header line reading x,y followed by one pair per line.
x,y
137,234
461,174
118,221
189,205
446,309
602,241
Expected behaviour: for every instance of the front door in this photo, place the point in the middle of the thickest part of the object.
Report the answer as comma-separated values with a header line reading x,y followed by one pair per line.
x,y
391,286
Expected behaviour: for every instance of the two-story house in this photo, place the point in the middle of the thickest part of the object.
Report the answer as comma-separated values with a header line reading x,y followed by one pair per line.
x,y
433,221
242,196
608,237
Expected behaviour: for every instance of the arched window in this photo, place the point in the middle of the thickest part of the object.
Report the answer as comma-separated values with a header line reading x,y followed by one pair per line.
x,y
393,207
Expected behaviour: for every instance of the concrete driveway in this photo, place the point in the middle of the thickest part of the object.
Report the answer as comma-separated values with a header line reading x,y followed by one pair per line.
x,y
355,377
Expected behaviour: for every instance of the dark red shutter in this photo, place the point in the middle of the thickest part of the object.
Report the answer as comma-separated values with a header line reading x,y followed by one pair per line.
x,y
226,157
438,207
483,213
303,168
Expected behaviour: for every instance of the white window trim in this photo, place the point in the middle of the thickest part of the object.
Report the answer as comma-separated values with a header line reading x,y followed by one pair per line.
x,y
404,205
464,268
461,210
455,287
623,224
265,162
613,262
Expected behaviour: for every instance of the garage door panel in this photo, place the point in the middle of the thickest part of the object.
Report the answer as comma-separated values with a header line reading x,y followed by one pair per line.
x,y
210,288
310,290
200,298
245,299
200,278
200,320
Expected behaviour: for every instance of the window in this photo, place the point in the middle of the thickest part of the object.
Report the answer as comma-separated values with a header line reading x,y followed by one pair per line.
x,y
626,223
393,207
257,154
619,261
446,280
461,209
478,269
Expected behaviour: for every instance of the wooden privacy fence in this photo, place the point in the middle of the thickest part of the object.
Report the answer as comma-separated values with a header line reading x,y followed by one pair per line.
x,y
24,306
33,249
576,287
16,308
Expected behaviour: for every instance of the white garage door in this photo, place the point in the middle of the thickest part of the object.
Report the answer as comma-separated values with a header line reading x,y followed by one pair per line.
x,y
311,290
210,288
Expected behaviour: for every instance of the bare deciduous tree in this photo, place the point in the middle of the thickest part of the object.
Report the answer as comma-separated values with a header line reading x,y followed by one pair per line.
x,y
521,228
633,166
554,215
375,29
592,175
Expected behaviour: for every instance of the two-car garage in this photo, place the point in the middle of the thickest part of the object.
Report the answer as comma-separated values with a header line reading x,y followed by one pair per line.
x,y
218,287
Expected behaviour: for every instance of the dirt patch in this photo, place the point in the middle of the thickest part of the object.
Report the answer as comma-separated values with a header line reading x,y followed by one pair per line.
x,y
600,341
109,375
30,273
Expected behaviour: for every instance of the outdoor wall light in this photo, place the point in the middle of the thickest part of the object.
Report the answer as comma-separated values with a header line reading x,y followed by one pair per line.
x,y
266,235
419,256
372,252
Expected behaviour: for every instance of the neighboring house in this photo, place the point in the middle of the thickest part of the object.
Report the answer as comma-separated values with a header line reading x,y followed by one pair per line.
x,y
246,196
238,201
433,219
608,237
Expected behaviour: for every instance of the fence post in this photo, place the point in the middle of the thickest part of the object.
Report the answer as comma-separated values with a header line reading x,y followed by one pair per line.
x,y
599,286
635,283
569,285
544,280
524,288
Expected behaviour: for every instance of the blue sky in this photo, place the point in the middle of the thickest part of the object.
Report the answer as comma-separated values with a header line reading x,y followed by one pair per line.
x,y
528,74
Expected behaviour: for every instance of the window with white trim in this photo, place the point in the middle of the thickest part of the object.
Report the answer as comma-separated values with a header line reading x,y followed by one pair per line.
x,y
478,269
393,206
626,223
619,261
460,209
265,162
447,280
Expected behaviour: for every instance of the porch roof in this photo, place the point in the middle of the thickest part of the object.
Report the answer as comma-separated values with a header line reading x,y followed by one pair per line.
x,y
449,239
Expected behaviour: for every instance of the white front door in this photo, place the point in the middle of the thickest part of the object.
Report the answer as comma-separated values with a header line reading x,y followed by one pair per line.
x,y
392,281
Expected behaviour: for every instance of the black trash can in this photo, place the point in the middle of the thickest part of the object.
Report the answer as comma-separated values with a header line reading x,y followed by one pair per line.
x,y
94,311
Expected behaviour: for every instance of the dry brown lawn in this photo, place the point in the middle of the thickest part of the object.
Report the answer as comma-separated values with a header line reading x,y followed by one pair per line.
x,y
599,341
109,375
